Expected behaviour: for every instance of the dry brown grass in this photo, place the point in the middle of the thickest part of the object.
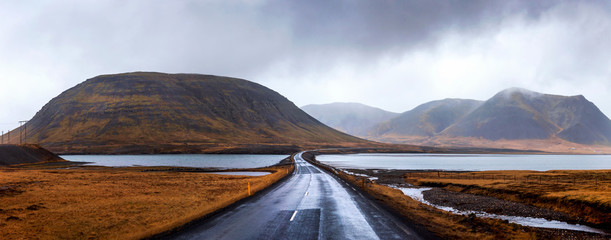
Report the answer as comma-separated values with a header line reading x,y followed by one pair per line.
x,y
581,193
451,226
447,225
441,223
125,203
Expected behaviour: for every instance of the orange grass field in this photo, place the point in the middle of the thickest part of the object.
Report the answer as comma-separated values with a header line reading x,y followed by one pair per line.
x,y
114,203
451,226
441,223
582,193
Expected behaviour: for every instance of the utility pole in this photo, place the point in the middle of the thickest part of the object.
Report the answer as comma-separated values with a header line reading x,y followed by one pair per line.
x,y
2,137
24,130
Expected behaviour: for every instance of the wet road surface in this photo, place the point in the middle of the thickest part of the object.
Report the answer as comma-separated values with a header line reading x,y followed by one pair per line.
x,y
311,204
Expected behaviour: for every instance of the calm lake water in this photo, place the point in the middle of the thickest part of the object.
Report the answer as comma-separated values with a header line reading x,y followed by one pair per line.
x,y
220,161
467,162
253,174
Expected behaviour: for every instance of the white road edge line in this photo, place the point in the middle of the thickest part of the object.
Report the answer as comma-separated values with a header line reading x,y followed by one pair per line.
x,y
293,217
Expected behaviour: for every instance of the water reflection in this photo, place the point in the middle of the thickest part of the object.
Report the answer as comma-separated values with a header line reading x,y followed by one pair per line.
x,y
416,194
467,162
252,174
218,161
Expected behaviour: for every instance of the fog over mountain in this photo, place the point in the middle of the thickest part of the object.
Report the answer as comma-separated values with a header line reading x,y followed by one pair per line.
x,y
351,118
522,114
427,119
512,114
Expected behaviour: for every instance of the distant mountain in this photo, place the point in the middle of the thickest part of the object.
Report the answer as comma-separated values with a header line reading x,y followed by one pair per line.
x,y
427,119
521,114
351,118
165,113
512,114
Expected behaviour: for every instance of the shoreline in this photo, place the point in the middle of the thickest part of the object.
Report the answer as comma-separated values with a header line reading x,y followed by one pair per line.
x,y
110,203
491,191
372,180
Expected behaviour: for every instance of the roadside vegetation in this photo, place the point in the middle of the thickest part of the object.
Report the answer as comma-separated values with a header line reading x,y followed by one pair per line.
x,y
451,226
115,203
583,194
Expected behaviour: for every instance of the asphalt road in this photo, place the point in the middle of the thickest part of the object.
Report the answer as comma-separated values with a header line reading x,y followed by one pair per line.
x,y
311,204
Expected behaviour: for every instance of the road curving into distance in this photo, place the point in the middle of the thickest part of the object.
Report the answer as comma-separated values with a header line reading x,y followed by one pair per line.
x,y
311,204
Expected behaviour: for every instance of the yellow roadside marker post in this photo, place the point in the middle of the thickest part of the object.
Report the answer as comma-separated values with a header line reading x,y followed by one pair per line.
x,y
248,188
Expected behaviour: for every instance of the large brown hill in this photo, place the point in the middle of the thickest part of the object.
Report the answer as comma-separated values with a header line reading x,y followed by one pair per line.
x,y
147,112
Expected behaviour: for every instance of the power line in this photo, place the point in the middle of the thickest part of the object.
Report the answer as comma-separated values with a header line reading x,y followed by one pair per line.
x,y
21,139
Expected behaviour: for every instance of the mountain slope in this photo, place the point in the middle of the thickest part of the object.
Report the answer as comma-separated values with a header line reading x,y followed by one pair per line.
x,y
351,118
427,119
522,114
586,124
25,153
156,112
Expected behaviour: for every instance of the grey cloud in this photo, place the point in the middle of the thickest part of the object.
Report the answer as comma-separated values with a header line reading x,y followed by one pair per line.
x,y
176,35
386,26
64,42
242,39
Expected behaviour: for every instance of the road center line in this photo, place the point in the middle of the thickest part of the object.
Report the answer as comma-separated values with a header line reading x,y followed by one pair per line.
x,y
293,217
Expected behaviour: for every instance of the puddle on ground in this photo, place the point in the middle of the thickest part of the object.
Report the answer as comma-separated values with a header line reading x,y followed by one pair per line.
x,y
360,175
255,174
416,194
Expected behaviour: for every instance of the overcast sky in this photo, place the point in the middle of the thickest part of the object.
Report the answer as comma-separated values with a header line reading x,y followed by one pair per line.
x,y
389,54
